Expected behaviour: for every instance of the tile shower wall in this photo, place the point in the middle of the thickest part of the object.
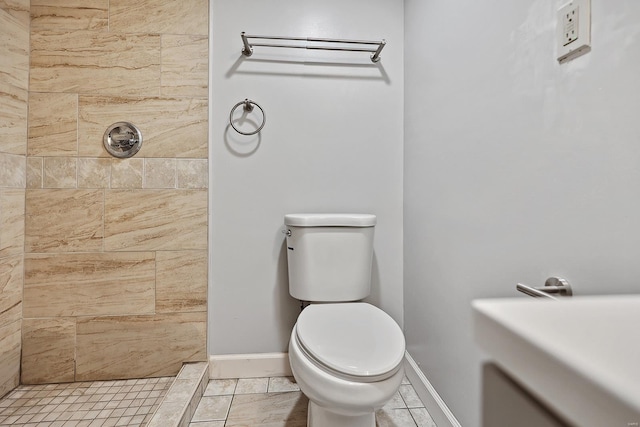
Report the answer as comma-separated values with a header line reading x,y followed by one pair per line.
x,y
14,84
115,281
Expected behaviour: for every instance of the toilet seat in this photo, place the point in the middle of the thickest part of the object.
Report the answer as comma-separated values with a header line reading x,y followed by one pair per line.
x,y
355,341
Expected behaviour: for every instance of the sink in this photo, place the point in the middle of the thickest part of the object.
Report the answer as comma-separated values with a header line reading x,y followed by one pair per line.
x,y
579,356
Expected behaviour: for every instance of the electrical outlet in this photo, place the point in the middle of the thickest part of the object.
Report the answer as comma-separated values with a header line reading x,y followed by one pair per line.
x,y
570,21
574,30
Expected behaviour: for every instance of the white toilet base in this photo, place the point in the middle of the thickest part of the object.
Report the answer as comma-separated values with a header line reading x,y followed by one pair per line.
x,y
336,401
321,417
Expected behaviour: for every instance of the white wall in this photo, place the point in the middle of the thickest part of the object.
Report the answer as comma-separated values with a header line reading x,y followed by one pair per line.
x,y
516,168
332,143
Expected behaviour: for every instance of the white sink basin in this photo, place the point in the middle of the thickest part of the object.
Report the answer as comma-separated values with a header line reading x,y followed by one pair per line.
x,y
580,356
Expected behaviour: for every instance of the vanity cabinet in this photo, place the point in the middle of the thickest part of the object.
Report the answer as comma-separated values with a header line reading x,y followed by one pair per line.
x,y
505,403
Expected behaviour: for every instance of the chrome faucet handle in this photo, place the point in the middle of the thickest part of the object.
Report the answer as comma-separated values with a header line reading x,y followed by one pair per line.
x,y
553,285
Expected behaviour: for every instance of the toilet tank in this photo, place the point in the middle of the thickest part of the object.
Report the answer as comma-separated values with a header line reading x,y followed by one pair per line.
x,y
329,256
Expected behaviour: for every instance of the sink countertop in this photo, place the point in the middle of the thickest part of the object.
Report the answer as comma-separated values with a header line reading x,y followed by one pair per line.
x,y
580,356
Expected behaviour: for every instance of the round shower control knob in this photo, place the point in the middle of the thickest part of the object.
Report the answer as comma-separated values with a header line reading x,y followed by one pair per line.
x,y
122,139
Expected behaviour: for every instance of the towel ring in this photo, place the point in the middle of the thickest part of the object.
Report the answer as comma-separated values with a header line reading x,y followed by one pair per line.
x,y
248,107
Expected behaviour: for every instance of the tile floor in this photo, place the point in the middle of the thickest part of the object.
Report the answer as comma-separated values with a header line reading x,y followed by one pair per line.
x,y
278,402
83,404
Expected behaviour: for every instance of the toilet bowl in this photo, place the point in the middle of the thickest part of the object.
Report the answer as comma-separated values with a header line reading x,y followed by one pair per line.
x,y
347,359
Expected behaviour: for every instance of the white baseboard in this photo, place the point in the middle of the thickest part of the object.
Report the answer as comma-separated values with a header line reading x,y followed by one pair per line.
x,y
249,365
439,411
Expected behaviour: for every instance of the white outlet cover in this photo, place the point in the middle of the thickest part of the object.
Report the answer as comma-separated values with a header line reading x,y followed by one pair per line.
x,y
570,24
582,44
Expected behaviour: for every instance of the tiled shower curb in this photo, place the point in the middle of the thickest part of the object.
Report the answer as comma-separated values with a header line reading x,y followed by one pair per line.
x,y
180,402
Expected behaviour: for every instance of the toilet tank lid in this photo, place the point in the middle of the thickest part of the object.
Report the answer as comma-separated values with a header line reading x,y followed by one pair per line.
x,y
329,220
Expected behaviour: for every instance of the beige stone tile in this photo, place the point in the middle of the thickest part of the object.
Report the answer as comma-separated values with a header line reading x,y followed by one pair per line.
x,y
252,385
10,343
14,51
212,408
268,410
69,15
13,118
168,414
159,16
12,230
127,173
11,279
34,172
160,173
395,402
207,424
191,409
282,384
138,346
64,220
11,315
185,66
394,418
410,396
18,9
89,284
48,350
60,172
53,124
94,173
14,69
181,390
171,127
221,387
188,391
181,281
95,62
192,173
13,170
155,220
422,417
194,371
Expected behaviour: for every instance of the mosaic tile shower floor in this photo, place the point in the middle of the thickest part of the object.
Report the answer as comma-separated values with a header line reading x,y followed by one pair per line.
x,y
83,404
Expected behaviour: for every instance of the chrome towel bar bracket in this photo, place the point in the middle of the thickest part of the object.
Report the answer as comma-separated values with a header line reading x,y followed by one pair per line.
x,y
553,285
373,47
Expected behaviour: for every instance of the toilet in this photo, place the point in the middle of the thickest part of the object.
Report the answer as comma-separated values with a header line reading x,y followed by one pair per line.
x,y
346,355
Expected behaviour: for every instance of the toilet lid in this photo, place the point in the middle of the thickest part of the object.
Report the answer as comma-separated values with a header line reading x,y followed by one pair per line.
x,y
352,338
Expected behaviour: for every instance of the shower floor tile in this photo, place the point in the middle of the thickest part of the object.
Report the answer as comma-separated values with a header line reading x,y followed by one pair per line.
x,y
84,404
278,402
